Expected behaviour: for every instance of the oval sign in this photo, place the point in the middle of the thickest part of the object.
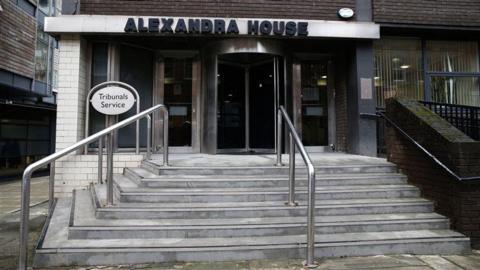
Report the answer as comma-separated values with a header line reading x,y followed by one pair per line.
x,y
112,100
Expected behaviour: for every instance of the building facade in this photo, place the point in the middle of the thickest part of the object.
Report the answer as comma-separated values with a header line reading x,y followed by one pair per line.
x,y
223,68
27,84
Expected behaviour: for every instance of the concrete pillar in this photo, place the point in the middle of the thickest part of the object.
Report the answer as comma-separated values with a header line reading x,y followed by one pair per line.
x,y
362,131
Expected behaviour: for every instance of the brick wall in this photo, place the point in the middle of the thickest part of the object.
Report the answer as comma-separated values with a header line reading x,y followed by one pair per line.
x,y
428,12
458,201
72,88
17,40
310,9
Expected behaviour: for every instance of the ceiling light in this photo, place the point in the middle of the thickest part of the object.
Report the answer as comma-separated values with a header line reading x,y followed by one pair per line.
x,y
404,66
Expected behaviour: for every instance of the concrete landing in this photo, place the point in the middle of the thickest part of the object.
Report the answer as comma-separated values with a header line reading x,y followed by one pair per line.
x,y
260,160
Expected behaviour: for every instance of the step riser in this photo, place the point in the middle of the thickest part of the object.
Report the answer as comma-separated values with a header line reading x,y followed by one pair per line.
x,y
266,183
119,256
256,213
204,198
251,232
265,171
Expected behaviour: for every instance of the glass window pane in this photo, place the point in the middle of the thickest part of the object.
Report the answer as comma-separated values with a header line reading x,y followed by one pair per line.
x,y
99,75
398,69
452,56
455,90
41,61
99,63
314,103
178,99
44,6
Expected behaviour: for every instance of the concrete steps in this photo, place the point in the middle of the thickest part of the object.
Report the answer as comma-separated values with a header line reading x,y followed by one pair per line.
x,y
156,168
238,213
56,249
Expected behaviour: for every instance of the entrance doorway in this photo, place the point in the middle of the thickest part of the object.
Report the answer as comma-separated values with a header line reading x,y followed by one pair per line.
x,y
247,94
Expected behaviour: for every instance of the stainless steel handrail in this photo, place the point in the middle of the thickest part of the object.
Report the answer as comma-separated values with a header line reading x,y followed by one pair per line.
x,y
423,149
295,142
108,132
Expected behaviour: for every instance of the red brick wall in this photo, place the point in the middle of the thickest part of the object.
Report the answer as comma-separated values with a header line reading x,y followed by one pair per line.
x,y
310,9
17,40
428,12
458,201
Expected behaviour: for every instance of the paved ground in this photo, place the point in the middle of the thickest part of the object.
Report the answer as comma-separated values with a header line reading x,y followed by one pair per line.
x,y
401,262
10,194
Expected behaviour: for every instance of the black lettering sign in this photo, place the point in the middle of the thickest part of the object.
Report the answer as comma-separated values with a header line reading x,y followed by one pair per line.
x,y
265,27
181,26
219,26
207,26
215,26
194,26
130,27
252,28
278,28
232,27
167,25
290,29
153,24
303,28
141,26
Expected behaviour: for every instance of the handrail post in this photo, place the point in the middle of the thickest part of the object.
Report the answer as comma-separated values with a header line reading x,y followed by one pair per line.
x,y
279,138
149,135
165,137
310,263
291,174
110,169
51,188
100,160
24,216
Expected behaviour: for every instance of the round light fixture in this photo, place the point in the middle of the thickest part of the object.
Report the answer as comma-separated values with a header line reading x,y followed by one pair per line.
x,y
346,13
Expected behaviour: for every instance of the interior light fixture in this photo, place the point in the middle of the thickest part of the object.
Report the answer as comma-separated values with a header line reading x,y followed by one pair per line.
x,y
404,66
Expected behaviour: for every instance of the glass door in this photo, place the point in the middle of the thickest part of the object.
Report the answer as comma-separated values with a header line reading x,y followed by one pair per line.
x,y
314,102
177,86
247,87
261,107
231,124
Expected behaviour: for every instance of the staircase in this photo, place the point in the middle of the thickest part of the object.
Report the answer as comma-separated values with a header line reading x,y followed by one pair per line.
x,y
207,212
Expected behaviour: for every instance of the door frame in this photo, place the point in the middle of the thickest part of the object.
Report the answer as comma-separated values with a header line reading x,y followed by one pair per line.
x,y
297,97
158,98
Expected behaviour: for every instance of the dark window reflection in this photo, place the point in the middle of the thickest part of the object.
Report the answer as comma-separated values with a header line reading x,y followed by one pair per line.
x,y
178,99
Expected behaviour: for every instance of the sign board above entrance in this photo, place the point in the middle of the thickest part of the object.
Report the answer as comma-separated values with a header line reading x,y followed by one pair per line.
x,y
185,26
112,100
216,26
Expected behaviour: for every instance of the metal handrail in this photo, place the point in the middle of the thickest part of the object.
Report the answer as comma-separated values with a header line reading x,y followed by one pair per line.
x,y
423,149
295,142
108,132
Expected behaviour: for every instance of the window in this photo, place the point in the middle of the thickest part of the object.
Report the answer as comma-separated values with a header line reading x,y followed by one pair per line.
x,y
44,51
455,90
398,69
453,72
451,76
